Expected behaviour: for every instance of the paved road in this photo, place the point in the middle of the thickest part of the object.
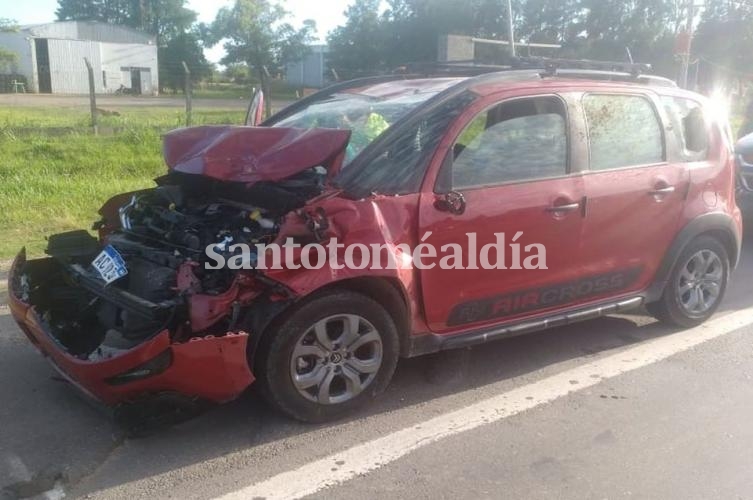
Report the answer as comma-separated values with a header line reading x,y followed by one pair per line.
x,y
617,407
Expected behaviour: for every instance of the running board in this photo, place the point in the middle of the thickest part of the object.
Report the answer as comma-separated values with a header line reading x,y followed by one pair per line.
x,y
426,344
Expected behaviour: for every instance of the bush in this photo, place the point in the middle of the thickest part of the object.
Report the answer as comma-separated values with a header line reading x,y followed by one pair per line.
x,y
6,82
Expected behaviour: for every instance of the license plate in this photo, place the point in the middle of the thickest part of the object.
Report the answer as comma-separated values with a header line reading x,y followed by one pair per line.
x,y
110,265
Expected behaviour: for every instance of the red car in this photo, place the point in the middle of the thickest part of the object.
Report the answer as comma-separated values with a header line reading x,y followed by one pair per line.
x,y
627,181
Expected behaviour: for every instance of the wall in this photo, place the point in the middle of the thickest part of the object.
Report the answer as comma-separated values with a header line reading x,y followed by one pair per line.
x,y
67,67
18,43
117,56
310,71
69,74
456,48
68,70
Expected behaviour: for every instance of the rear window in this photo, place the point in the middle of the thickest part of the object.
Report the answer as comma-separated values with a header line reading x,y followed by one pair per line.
x,y
623,131
689,127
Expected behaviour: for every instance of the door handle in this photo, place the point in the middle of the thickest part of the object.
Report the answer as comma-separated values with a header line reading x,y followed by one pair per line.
x,y
662,191
570,207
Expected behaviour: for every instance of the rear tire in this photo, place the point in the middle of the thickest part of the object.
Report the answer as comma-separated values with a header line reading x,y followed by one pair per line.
x,y
696,285
327,357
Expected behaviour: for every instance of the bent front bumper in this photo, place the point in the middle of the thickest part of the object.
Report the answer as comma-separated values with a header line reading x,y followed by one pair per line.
x,y
212,368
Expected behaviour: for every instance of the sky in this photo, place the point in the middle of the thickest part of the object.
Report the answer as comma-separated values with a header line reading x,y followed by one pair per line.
x,y
328,14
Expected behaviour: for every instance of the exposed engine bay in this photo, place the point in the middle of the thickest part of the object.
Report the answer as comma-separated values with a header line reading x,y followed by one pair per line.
x,y
162,235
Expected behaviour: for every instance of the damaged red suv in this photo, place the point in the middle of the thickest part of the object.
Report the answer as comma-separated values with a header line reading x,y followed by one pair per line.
x,y
626,180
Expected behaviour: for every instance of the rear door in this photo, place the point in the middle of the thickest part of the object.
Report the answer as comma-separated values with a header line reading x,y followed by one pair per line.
x,y
508,167
635,195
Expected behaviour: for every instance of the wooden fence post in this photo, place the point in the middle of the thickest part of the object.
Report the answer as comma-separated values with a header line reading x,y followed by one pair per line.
x,y
267,93
92,95
188,91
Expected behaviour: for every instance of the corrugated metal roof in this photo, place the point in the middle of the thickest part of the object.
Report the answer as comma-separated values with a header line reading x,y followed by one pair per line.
x,y
89,30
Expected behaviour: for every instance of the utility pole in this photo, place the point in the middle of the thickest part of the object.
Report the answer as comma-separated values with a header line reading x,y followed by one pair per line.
x,y
686,52
512,28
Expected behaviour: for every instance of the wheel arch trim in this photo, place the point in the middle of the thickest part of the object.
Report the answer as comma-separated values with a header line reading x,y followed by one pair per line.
x,y
387,291
719,225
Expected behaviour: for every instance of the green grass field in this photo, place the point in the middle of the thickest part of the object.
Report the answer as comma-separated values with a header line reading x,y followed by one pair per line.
x,y
278,89
52,181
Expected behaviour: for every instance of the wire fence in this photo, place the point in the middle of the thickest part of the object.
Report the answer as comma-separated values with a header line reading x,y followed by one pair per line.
x,y
93,101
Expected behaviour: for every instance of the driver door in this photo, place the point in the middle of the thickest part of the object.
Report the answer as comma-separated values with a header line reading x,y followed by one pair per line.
x,y
510,165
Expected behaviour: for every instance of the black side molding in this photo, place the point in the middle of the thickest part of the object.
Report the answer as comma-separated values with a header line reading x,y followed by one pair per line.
x,y
429,343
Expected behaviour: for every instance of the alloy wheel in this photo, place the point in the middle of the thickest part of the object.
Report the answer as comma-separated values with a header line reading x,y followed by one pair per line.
x,y
700,282
336,359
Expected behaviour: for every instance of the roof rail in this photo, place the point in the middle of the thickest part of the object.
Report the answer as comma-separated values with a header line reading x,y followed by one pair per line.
x,y
455,68
548,67
614,76
551,65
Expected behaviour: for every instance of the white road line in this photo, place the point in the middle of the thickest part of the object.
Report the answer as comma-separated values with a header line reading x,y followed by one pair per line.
x,y
369,456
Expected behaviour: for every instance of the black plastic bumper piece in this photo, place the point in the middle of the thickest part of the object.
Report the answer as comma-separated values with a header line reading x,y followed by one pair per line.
x,y
121,298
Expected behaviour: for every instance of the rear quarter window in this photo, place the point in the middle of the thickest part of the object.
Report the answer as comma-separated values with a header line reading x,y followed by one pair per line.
x,y
623,130
689,127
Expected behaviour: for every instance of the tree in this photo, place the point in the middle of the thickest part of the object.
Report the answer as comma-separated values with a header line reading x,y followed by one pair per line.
x,y
255,33
549,21
408,30
361,44
121,12
237,73
183,47
162,18
8,59
416,25
166,19
724,41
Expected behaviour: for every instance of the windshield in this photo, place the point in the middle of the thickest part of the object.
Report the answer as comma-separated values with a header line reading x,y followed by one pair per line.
x,y
367,117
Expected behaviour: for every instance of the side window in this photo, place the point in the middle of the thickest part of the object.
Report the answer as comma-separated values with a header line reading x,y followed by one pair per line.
x,y
513,141
623,131
689,127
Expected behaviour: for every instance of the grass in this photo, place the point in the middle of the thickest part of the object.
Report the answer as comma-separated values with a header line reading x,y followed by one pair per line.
x,y
132,117
278,89
52,182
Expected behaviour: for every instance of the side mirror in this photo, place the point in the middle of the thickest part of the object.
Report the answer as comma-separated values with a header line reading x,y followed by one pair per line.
x,y
255,113
452,202
744,146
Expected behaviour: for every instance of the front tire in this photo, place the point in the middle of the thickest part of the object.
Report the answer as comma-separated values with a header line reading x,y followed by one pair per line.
x,y
696,285
328,357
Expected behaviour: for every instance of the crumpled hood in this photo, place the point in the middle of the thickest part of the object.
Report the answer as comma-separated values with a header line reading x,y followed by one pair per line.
x,y
254,154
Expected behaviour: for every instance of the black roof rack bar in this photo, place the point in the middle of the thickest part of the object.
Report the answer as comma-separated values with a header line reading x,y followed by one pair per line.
x,y
548,66
613,76
455,68
551,65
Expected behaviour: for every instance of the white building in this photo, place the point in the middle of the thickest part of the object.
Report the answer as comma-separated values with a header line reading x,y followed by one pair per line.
x,y
51,57
311,71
